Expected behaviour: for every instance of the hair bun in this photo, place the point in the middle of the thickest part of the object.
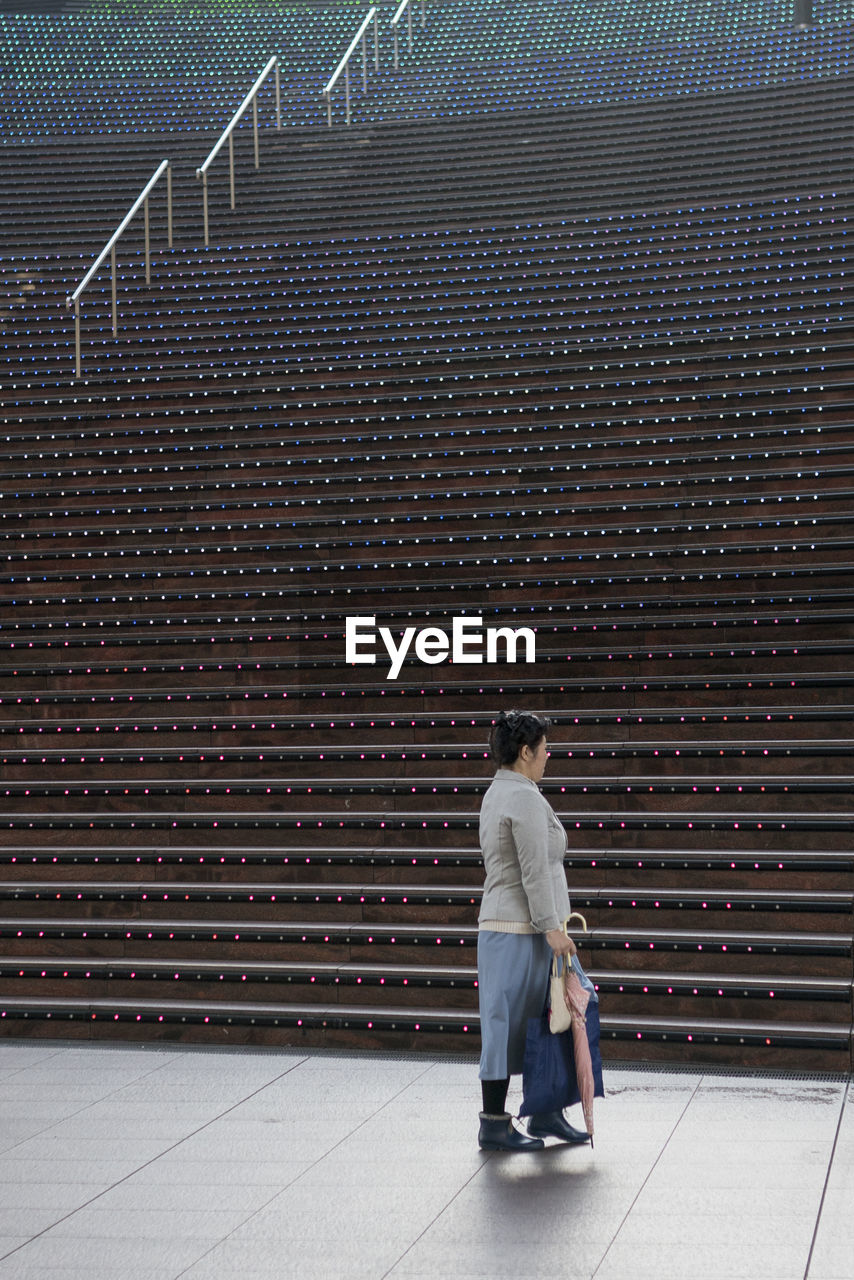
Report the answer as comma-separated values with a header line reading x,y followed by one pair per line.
x,y
511,719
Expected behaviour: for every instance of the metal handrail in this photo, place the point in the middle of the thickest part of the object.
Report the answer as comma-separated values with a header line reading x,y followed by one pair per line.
x,y
73,299
344,65
250,99
405,6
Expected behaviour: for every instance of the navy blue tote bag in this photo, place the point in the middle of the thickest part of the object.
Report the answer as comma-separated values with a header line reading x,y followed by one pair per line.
x,y
549,1081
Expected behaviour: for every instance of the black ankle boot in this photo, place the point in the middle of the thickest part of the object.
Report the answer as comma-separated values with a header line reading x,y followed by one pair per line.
x,y
552,1124
498,1134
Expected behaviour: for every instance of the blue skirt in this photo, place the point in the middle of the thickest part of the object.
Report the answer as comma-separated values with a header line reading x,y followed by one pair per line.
x,y
513,979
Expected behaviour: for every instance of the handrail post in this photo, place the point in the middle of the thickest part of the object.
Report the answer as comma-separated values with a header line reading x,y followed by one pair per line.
x,y
78,369
114,292
169,202
205,206
231,166
147,245
364,64
278,98
376,44
328,96
404,6
347,93
255,129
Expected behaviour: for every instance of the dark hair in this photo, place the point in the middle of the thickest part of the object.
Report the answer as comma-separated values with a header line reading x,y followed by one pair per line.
x,y
514,730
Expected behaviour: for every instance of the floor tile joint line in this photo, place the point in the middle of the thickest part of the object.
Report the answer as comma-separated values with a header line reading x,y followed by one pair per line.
x,y
73,1114
146,1163
814,1240
698,1086
316,1162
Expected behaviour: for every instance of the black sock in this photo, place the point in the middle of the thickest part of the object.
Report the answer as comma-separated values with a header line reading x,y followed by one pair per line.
x,y
494,1096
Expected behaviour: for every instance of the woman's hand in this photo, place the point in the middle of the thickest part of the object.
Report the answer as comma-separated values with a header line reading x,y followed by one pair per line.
x,y
560,943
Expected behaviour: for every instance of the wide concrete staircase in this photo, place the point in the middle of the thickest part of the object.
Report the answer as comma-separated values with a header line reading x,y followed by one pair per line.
x,y
580,366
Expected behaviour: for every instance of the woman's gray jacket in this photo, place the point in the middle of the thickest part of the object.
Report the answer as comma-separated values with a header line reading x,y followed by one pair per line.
x,y
523,844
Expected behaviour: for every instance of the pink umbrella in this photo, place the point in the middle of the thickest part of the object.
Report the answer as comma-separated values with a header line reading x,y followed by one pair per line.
x,y
576,1002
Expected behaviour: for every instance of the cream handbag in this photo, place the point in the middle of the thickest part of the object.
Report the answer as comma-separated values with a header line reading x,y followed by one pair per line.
x,y
567,997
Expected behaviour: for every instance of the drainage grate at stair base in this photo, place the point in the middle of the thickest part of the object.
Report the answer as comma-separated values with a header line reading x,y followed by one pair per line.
x,y
732,1073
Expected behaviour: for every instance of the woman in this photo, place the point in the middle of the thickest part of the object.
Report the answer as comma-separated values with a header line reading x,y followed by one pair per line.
x,y
525,903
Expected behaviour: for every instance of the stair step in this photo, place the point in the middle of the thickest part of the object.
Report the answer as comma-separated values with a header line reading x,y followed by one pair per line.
x,y
175,892
712,942
835,1036
302,857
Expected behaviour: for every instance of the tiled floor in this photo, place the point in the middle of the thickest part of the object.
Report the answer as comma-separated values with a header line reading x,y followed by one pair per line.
x,y
158,1163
